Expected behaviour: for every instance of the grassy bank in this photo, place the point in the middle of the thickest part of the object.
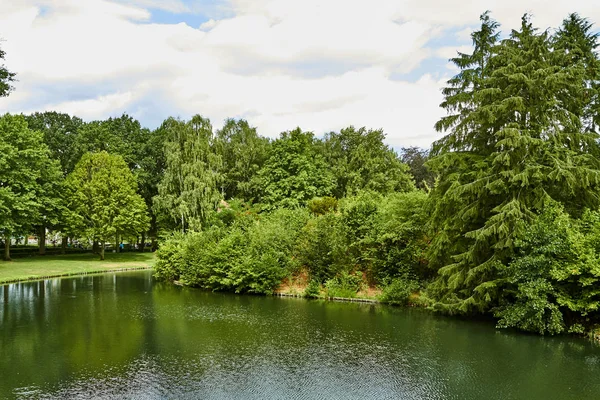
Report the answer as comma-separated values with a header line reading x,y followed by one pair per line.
x,y
51,266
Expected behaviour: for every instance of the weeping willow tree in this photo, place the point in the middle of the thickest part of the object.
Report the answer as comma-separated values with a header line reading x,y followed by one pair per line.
x,y
188,189
515,140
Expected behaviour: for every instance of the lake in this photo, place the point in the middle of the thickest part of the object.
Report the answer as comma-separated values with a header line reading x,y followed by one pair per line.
x,y
125,335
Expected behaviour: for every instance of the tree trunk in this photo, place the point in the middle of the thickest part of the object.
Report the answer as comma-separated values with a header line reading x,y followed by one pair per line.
x,y
7,248
117,244
143,244
102,250
63,245
95,248
42,240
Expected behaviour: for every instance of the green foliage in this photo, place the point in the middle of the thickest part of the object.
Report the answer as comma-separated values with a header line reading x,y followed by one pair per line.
x,y
398,291
294,172
6,78
170,263
243,153
552,282
188,191
101,199
416,159
360,161
323,205
320,247
345,285
313,289
118,136
514,144
60,132
398,238
28,178
249,256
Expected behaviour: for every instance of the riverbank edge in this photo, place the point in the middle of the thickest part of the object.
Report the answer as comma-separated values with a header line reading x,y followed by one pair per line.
x,y
346,299
71,274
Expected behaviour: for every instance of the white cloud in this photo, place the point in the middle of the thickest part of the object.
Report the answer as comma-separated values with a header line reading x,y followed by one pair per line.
x,y
321,65
174,6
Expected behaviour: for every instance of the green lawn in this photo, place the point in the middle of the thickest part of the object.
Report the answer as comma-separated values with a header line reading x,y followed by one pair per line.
x,y
48,266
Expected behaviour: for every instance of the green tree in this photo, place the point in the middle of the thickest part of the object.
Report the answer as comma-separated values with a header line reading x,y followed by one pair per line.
x,y
576,44
102,199
554,275
27,178
189,188
59,132
60,135
243,153
295,171
416,158
513,145
123,136
151,166
361,161
6,78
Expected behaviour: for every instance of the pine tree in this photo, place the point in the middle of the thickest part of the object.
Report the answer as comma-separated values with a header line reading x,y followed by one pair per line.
x,y
576,45
514,147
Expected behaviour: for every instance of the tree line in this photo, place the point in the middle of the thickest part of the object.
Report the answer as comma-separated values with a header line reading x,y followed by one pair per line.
x,y
508,227
501,216
103,181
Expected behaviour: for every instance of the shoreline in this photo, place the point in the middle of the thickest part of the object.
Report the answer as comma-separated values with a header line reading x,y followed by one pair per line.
x,y
71,274
346,299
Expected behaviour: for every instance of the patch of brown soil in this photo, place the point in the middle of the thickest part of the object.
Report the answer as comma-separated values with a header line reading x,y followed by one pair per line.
x,y
295,284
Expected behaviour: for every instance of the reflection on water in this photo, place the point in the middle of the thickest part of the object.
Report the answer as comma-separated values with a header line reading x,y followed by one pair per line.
x,y
126,336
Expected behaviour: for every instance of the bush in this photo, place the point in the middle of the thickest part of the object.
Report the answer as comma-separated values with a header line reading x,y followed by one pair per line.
x,y
344,285
313,290
170,262
398,291
249,256
552,281
320,247
398,238
323,205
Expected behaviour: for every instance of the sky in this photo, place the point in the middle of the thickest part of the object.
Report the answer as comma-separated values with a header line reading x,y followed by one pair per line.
x,y
318,64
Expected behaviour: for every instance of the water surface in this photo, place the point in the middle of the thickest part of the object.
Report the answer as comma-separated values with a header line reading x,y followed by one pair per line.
x,y
124,335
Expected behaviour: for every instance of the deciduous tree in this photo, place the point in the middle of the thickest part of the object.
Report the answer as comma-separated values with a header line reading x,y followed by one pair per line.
x,y
27,178
102,199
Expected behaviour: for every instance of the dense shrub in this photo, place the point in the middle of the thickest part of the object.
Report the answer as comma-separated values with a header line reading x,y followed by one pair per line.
x,y
398,291
170,262
320,248
553,282
345,285
398,238
323,205
251,255
313,290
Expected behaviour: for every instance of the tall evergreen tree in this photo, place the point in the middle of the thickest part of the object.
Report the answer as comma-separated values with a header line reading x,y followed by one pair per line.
x,y
514,147
576,47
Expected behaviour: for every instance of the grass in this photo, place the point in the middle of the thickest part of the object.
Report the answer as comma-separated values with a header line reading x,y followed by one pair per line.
x,y
40,267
